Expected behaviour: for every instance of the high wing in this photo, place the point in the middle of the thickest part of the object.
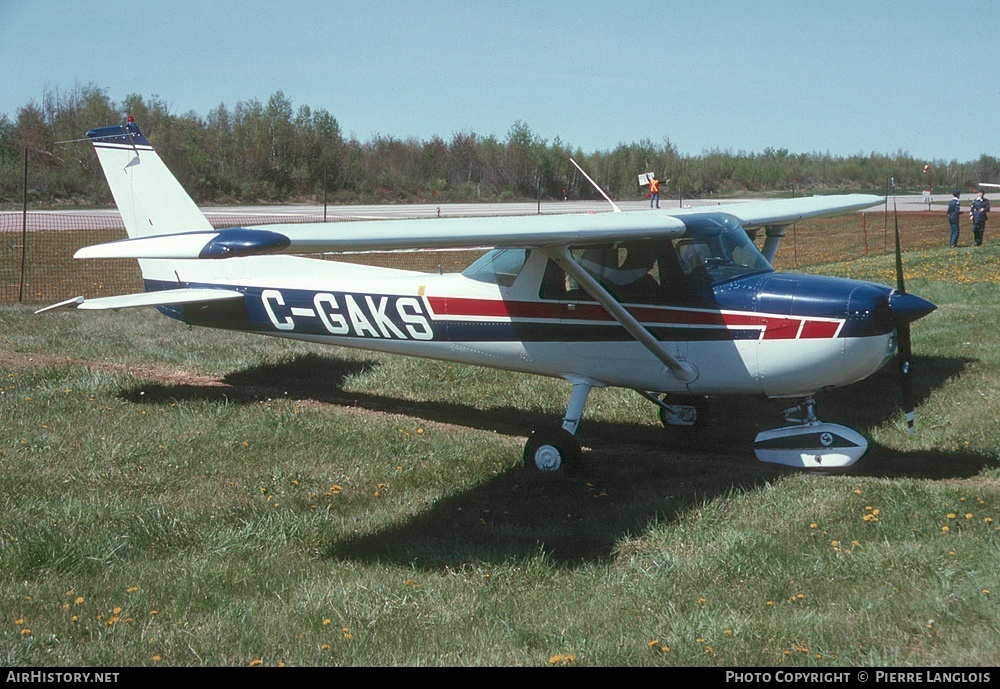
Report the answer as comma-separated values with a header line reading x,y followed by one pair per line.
x,y
458,233
754,214
392,235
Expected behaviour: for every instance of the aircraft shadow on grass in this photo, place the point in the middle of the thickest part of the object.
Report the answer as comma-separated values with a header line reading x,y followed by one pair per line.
x,y
636,475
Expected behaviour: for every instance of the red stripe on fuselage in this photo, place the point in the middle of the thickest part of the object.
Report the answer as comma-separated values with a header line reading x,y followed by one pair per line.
x,y
771,327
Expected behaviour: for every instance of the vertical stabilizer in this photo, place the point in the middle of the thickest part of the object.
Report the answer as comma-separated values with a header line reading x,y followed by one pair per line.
x,y
149,197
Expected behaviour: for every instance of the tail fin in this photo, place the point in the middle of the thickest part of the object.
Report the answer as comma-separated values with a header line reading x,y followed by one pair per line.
x,y
149,197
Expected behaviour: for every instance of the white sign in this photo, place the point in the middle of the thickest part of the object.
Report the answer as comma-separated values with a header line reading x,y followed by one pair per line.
x,y
645,177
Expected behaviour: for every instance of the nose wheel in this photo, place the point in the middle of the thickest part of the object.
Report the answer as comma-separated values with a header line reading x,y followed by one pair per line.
x,y
551,450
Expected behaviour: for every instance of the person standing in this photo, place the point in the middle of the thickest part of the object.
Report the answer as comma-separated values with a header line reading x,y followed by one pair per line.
x,y
954,213
979,213
654,191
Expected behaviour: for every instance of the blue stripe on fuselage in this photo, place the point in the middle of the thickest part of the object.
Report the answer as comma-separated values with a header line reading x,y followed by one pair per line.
x,y
389,316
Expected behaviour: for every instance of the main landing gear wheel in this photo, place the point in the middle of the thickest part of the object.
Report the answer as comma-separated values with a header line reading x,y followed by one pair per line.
x,y
550,451
681,411
679,416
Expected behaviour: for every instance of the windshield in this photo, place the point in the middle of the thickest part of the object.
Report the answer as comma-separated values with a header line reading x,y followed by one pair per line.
x,y
716,248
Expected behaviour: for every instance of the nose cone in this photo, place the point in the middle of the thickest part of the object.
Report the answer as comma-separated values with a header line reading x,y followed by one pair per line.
x,y
907,308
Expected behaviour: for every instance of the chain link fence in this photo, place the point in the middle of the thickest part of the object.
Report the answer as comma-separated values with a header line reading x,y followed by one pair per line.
x,y
37,265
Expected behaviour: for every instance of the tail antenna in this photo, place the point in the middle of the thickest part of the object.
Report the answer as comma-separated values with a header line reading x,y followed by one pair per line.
x,y
606,197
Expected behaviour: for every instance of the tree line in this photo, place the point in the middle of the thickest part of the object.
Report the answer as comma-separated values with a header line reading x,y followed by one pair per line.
x,y
273,152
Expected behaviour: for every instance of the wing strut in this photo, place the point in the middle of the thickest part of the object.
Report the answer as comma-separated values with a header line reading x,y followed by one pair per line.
x,y
681,370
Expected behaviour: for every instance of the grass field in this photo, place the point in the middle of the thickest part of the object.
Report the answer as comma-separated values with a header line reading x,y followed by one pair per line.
x,y
193,497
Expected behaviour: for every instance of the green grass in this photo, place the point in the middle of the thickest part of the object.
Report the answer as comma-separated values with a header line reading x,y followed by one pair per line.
x,y
193,497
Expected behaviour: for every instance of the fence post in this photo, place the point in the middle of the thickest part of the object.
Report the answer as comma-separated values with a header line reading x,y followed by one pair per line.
x,y
864,232
24,227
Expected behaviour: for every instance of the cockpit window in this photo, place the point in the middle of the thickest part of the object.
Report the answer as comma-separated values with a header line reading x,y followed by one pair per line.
x,y
715,248
500,266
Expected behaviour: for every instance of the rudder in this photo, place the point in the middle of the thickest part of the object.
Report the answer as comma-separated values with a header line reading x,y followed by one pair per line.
x,y
149,197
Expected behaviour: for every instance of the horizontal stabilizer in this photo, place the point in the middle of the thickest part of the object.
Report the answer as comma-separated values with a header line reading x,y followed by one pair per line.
x,y
167,297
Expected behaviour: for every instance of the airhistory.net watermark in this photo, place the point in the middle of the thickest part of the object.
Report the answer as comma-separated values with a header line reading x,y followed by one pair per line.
x,y
31,676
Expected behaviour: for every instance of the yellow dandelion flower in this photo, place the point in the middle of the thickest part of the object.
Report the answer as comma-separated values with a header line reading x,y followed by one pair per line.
x,y
326,621
968,515
74,618
945,528
25,632
325,647
813,526
654,642
79,600
347,633
255,662
153,612
117,611
727,632
986,592
951,515
157,657
132,589
988,520
770,602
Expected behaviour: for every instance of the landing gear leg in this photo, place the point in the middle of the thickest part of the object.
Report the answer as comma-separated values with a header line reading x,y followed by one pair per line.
x,y
810,443
550,450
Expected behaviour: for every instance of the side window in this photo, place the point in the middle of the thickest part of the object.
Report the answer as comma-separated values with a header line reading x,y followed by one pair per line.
x,y
637,272
693,257
500,266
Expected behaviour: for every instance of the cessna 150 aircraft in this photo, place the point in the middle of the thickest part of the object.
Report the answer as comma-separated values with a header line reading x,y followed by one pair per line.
x,y
672,304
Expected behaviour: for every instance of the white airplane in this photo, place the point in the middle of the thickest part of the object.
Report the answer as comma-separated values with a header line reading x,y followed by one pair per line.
x,y
672,304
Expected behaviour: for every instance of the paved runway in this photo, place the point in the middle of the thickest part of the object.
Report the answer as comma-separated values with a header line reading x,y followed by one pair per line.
x,y
271,214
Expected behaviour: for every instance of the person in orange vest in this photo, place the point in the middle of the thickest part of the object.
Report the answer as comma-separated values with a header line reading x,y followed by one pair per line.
x,y
654,191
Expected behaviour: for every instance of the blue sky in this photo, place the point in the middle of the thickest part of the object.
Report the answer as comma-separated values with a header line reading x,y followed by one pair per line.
x,y
841,77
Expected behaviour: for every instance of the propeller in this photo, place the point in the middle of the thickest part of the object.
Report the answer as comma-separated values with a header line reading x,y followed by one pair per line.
x,y
898,304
